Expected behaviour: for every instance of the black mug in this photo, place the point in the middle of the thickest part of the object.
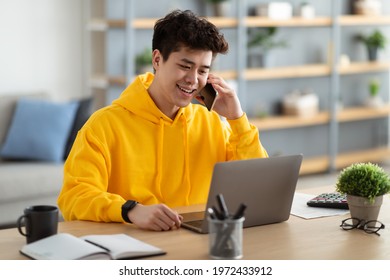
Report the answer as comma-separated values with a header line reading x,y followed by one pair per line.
x,y
40,221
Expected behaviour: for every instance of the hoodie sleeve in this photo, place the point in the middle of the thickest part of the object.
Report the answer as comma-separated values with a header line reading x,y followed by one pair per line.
x,y
84,193
244,141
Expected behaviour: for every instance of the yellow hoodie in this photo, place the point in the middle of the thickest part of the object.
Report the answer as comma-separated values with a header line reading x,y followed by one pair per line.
x,y
131,151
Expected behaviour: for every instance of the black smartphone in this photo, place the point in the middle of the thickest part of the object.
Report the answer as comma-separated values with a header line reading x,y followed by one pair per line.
x,y
208,94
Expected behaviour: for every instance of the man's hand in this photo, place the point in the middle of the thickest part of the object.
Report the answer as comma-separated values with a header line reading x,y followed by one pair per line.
x,y
227,103
157,217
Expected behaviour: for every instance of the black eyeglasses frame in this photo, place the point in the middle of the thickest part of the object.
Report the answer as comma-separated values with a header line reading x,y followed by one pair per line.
x,y
362,224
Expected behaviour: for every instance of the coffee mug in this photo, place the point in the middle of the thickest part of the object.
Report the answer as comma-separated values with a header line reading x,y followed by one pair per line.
x,y
40,221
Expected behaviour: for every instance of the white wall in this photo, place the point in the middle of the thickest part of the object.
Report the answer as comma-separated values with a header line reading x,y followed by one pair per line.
x,y
41,47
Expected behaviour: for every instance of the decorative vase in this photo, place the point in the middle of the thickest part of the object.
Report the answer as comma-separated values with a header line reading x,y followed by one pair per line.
x,y
361,207
258,59
374,102
368,7
221,9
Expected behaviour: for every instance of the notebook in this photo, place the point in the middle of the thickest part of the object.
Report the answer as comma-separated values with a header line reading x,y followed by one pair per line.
x,y
265,185
64,246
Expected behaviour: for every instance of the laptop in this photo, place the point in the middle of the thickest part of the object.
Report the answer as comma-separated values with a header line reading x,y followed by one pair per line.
x,y
265,185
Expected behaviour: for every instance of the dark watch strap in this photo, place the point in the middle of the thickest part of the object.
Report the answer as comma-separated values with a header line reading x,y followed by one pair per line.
x,y
130,204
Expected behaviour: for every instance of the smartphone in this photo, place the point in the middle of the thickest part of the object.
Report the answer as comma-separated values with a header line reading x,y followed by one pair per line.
x,y
208,94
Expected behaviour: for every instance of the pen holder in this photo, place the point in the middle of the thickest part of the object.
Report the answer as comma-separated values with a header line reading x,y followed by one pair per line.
x,y
225,238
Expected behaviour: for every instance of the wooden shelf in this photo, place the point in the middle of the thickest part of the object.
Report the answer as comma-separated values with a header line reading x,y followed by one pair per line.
x,y
256,21
300,71
279,122
371,155
363,113
144,23
353,20
224,22
227,75
322,164
251,21
313,70
101,24
314,165
221,22
345,115
364,67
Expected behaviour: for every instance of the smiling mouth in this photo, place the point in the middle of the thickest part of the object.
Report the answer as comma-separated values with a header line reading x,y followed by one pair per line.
x,y
186,91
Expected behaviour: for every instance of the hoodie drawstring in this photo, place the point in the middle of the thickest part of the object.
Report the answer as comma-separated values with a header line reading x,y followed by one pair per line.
x,y
186,158
160,150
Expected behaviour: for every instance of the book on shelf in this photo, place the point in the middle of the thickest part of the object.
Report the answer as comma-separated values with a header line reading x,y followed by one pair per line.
x,y
64,246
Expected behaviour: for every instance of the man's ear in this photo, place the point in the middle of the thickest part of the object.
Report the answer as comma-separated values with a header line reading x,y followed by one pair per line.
x,y
156,59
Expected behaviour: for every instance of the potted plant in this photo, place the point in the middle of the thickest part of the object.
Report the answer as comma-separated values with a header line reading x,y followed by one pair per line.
x,y
364,184
374,100
143,61
220,7
373,42
261,41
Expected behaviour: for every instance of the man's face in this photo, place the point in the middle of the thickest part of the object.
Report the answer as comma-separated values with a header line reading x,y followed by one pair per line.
x,y
180,77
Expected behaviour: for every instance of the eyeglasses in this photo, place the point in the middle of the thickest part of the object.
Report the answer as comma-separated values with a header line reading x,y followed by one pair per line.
x,y
372,226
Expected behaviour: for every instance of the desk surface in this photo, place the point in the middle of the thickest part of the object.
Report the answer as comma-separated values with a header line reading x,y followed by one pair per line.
x,y
296,238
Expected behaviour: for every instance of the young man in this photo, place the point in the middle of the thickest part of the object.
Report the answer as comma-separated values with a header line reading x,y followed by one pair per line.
x,y
152,149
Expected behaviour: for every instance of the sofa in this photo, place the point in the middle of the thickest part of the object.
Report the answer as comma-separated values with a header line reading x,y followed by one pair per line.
x,y
31,172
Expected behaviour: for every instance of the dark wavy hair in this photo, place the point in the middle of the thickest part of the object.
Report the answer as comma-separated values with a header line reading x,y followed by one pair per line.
x,y
185,29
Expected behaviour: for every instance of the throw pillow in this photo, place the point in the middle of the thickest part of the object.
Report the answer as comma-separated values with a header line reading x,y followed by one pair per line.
x,y
39,130
84,111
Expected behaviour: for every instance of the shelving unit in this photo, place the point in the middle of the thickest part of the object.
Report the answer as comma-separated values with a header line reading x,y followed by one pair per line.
x,y
330,117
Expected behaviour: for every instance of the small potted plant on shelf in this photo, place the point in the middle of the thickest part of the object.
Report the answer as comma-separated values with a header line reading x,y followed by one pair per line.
x,y
374,42
374,100
143,61
261,41
364,184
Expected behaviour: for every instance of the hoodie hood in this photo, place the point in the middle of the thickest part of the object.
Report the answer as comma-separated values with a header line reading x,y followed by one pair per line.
x,y
136,99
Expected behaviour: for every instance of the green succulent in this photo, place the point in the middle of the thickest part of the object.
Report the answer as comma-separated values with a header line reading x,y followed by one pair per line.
x,y
263,37
144,58
375,39
374,87
363,179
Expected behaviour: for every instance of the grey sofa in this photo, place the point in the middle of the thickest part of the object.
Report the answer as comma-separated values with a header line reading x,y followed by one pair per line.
x,y
24,183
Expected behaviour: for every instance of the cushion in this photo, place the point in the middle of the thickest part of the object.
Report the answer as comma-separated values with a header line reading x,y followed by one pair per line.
x,y
7,108
39,130
83,113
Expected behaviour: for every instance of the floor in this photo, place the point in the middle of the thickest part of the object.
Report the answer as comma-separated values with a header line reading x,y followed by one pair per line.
x,y
326,179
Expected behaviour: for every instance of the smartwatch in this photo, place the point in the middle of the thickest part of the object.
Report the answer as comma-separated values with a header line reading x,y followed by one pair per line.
x,y
130,204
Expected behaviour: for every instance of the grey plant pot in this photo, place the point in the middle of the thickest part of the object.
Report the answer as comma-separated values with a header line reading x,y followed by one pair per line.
x,y
362,208
372,53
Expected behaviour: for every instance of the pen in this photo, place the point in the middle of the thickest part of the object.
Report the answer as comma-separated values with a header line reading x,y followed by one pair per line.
x,y
222,206
211,213
218,215
98,245
240,211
